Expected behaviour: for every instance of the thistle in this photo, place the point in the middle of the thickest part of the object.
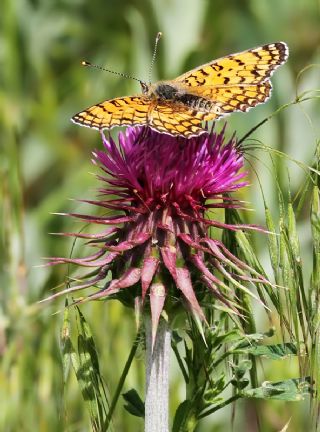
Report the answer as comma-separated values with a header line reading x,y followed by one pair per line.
x,y
163,192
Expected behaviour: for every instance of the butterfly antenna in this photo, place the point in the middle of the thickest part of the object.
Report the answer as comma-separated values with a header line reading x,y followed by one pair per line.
x,y
88,64
159,34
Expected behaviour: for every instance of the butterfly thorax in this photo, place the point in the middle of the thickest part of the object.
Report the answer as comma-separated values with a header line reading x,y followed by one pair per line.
x,y
164,91
178,93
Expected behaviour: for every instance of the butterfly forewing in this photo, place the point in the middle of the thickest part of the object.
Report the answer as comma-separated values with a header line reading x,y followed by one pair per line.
x,y
253,66
123,111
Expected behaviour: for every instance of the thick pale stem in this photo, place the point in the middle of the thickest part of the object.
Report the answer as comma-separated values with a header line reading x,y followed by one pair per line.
x,y
157,377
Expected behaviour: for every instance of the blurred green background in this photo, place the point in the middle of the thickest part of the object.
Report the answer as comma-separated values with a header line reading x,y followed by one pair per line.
x,y
45,160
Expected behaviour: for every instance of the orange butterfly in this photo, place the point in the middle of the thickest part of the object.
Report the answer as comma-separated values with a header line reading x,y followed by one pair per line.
x,y
236,82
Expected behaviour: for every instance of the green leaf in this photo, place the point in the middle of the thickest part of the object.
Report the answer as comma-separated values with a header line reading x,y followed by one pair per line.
x,y
230,336
294,239
240,369
216,388
183,411
66,344
272,241
86,366
240,384
134,405
175,338
315,229
89,341
274,352
288,390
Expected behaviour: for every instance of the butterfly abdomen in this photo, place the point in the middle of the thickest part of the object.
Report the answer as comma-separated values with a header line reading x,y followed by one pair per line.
x,y
195,102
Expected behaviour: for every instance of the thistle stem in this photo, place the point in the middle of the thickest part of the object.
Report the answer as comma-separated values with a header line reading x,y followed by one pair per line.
x,y
157,377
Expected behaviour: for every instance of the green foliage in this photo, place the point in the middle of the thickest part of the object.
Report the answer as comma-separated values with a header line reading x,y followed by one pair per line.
x,y
134,404
274,352
85,364
218,373
288,390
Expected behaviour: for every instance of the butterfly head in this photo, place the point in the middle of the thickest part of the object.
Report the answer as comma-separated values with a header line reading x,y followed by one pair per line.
x,y
144,87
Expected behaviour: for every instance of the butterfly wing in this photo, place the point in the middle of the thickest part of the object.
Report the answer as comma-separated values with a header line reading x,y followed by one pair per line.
x,y
252,66
167,117
236,82
177,119
123,111
232,83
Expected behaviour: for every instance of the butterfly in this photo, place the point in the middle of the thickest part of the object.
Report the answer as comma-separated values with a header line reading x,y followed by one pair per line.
x,y
176,107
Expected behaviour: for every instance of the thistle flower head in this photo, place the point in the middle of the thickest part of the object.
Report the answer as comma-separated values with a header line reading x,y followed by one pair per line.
x,y
159,192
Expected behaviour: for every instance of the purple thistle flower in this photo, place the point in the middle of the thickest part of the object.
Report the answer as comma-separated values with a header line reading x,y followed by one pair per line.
x,y
161,191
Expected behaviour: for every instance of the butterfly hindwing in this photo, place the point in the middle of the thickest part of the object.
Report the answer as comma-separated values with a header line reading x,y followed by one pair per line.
x,y
176,119
228,99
